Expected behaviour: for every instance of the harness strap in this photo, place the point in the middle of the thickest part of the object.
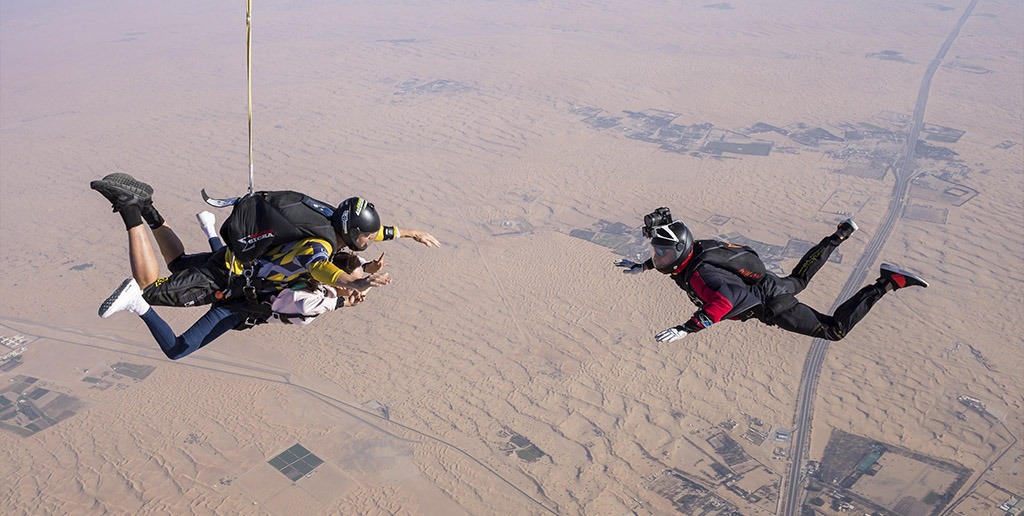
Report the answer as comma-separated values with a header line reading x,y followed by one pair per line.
x,y
291,318
256,313
249,289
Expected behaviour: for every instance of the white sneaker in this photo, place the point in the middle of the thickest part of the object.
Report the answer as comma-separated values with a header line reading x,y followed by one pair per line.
x,y
846,228
208,222
128,296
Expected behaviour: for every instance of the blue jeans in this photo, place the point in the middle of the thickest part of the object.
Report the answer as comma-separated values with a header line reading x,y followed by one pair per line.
x,y
219,319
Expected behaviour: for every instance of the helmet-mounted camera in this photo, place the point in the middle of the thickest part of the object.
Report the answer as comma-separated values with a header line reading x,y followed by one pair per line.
x,y
658,217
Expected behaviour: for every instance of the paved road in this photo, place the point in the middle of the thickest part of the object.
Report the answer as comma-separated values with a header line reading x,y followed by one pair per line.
x,y
904,170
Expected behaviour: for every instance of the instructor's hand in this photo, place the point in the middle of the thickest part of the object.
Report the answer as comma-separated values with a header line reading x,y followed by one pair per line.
x,y
670,335
424,238
630,266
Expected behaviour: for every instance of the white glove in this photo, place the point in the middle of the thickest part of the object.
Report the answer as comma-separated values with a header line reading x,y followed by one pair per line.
x,y
670,335
631,266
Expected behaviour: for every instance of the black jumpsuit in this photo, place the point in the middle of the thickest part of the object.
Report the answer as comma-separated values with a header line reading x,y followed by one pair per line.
x,y
721,294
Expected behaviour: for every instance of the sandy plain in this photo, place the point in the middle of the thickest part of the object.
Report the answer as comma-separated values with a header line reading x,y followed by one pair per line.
x,y
532,333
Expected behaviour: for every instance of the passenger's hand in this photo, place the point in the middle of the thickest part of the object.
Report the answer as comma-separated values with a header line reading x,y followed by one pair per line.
x,y
424,238
375,266
670,335
379,279
352,298
630,266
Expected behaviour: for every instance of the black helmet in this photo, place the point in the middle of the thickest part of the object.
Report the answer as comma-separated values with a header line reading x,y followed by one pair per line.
x,y
671,245
353,217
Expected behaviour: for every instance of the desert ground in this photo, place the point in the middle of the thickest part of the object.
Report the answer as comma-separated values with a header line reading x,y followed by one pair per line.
x,y
513,370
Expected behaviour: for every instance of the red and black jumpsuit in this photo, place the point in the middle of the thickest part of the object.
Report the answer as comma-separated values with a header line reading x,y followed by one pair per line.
x,y
720,295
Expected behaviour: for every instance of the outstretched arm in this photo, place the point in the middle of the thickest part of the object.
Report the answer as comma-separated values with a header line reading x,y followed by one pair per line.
x,y
719,294
424,238
633,267
716,299
302,306
377,279
328,273
393,232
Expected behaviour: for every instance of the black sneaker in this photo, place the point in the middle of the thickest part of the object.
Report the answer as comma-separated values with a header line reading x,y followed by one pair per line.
x,y
900,278
122,190
846,228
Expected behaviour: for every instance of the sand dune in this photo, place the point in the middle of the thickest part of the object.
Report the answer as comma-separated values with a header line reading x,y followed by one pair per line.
x,y
454,118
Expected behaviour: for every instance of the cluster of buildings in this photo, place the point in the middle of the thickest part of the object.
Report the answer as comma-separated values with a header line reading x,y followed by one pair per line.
x,y
972,402
17,345
1013,506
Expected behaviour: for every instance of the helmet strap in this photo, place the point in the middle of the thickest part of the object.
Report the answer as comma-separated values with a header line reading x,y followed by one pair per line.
x,y
683,265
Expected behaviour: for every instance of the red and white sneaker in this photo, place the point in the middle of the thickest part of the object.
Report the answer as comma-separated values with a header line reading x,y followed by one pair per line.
x,y
900,278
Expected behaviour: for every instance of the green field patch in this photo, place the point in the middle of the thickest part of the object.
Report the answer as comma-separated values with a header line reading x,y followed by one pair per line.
x,y
530,453
139,372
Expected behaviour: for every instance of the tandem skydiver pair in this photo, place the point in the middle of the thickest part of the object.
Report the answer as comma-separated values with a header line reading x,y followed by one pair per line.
x,y
293,281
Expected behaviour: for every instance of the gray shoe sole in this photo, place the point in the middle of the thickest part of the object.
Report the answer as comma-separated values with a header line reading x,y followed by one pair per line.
x,y
129,183
109,301
122,190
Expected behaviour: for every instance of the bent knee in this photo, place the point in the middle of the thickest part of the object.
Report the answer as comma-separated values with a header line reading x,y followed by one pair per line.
x,y
179,263
178,351
835,334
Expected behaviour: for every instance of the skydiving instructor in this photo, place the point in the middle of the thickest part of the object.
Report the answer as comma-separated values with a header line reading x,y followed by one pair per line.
x,y
729,282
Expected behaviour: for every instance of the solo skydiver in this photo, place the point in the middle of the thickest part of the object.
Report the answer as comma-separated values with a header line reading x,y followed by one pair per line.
x,y
726,281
